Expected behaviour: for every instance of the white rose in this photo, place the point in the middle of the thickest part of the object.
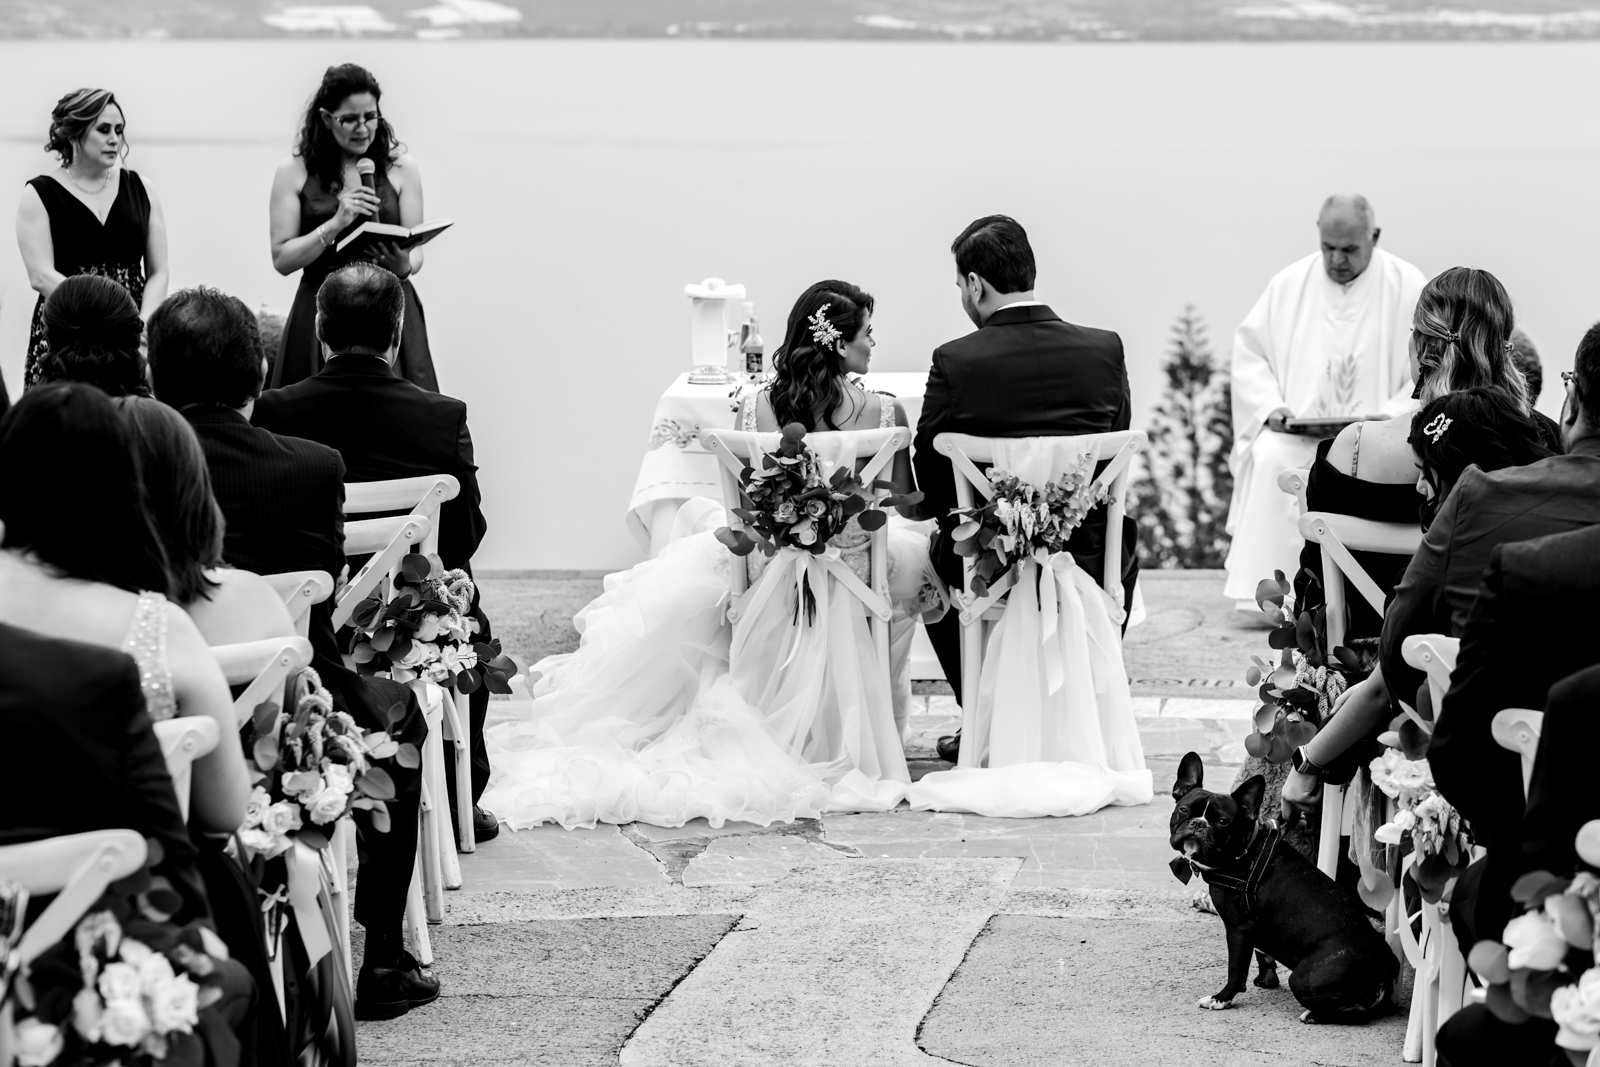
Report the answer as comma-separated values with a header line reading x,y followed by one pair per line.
x,y
1432,806
135,952
1535,943
339,779
87,1013
258,840
260,800
175,1005
281,819
458,659
36,1043
1576,1009
428,629
125,1023
154,972
1411,774
119,982
301,783
416,655
326,806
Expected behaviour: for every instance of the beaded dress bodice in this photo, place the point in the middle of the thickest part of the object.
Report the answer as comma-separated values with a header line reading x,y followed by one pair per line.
x,y
146,642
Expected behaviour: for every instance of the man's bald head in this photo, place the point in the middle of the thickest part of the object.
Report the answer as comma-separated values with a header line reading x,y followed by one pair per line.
x,y
1349,230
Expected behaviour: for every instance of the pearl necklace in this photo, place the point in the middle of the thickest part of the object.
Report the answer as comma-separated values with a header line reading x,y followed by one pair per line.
x,y
104,181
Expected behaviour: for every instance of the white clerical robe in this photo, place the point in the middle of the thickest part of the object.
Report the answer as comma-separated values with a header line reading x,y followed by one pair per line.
x,y
1317,348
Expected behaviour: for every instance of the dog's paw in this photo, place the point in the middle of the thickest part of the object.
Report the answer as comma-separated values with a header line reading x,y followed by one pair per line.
x,y
1213,1004
1307,1017
1268,979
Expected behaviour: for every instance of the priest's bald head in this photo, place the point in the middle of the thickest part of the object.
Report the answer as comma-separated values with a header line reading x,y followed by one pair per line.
x,y
1349,230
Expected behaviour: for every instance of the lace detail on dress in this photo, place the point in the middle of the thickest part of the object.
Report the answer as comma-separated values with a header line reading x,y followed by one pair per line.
x,y
146,642
747,412
885,409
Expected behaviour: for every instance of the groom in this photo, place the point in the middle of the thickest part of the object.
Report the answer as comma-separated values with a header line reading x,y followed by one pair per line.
x,y
1024,373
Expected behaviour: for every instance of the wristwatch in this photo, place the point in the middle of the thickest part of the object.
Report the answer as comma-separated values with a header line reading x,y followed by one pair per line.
x,y
1304,764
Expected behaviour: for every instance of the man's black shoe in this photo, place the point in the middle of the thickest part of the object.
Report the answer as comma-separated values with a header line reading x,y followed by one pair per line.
x,y
485,827
949,747
390,992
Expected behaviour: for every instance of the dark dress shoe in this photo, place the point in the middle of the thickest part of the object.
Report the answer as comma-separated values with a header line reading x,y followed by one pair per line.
x,y
485,827
949,747
390,992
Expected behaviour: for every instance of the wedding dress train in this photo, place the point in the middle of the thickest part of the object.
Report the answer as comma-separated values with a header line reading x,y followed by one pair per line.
x,y
646,722
1054,729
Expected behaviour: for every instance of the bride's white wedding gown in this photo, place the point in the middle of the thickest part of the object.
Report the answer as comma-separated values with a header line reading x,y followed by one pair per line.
x,y
645,722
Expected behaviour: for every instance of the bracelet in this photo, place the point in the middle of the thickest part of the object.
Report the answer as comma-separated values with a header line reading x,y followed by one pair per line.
x,y
322,235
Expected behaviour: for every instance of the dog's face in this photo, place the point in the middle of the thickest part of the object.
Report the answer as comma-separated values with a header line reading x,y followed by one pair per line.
x,y
1210,828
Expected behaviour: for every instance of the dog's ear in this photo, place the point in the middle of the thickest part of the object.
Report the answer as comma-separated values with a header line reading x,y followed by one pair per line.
x,y
1248,797
1191,776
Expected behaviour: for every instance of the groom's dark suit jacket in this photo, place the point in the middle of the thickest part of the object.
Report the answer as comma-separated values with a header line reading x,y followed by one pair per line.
x,y
1025,373
385,427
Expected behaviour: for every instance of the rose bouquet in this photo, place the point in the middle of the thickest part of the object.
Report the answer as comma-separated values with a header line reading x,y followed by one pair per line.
x,y
1021,521
793,499
1544,964
424,631
1438,836
126,987
313,765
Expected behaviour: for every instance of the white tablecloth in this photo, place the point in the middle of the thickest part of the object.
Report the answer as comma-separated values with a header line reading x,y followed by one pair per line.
x,y
675,468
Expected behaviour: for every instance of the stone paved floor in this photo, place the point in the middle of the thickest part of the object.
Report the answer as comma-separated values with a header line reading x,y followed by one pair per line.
x,y
888,938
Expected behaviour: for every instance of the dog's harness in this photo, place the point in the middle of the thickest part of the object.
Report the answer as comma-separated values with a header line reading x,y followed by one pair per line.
x,y
1247,885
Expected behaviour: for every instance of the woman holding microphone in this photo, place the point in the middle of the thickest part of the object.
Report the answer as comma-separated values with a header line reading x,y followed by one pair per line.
x,y
317,197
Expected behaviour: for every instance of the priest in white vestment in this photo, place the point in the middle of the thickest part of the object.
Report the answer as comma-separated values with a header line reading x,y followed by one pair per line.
x,y
1328,338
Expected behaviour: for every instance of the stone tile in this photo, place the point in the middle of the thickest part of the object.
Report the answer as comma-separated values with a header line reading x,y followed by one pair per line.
x,y
756,860
604,902
566,994
1121,992
1230,708
548,857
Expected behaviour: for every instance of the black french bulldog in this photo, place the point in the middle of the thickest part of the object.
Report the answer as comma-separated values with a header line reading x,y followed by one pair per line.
x,y
1272,899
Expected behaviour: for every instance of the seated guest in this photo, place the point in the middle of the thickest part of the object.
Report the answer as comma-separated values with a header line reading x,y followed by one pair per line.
x,y
1526,357
82,560
93,328
386,427
1482,429
281,499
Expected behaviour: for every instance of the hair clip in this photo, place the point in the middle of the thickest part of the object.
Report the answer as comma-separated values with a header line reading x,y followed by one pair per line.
x,y
823,332
1436,428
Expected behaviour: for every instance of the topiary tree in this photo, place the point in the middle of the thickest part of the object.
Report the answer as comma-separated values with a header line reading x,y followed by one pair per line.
x,y
1181,497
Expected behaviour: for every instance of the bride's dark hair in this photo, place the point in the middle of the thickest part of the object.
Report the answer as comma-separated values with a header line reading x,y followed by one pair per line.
x,y
808,378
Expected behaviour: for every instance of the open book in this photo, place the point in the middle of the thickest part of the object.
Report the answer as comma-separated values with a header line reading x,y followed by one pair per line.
x,y
368,234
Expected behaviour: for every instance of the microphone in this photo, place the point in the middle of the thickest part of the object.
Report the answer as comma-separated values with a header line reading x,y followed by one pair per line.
x,y
368,169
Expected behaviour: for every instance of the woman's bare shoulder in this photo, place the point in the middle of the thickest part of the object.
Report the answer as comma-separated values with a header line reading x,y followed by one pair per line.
x,y
242,607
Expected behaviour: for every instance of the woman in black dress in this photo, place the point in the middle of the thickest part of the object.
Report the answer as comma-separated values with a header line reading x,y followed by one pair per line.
x,y
92,215
317,197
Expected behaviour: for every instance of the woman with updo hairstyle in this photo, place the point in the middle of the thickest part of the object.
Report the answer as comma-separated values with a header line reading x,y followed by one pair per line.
x,y
91,215
92,331
317,198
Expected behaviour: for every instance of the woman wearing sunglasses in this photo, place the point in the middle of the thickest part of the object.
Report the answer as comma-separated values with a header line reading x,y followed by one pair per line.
x,y
317,196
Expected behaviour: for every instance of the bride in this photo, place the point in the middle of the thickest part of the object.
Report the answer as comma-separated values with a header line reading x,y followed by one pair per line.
x,y
645,722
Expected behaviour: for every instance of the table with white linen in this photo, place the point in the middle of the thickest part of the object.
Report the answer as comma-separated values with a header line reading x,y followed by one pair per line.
x,y
676,469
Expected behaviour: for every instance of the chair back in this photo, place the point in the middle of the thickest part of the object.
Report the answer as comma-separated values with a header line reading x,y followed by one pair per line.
x,y
737,449
1339,536
1517,730
1435,656
77,868
1293,481
263,668
1115,450
423,495
385,542
300,591
184,740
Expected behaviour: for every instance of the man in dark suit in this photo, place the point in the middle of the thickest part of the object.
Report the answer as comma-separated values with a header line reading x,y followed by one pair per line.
x,y
282,501
386,427
1023,373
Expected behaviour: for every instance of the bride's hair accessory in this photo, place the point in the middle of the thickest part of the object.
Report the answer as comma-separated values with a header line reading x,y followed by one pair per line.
x,y
823,332
1436,428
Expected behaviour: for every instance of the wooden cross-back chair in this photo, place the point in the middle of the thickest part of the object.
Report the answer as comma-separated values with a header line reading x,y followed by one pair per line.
x,y
1341,535
424,495
978,614
77,868
1517,730
301,590
263,667
184,740
1294,481
737,449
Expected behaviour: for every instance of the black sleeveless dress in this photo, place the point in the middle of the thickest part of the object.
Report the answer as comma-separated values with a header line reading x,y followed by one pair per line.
x,y
301,353
1330,489
85,245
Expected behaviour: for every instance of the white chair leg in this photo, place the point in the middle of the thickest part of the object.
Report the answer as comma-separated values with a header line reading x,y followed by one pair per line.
x,y
339,895
428,837
417,921
458,719
1452,973
1411,1051
449,865
1333,797
971,667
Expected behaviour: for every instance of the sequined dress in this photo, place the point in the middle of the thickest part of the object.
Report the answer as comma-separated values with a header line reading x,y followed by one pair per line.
x,y
146,642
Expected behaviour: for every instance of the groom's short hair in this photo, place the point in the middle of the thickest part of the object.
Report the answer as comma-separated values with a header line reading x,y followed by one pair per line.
x,y
360,306
996,249
205,348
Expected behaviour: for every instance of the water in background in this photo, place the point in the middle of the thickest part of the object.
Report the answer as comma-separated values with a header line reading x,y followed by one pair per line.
x,y
590,180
